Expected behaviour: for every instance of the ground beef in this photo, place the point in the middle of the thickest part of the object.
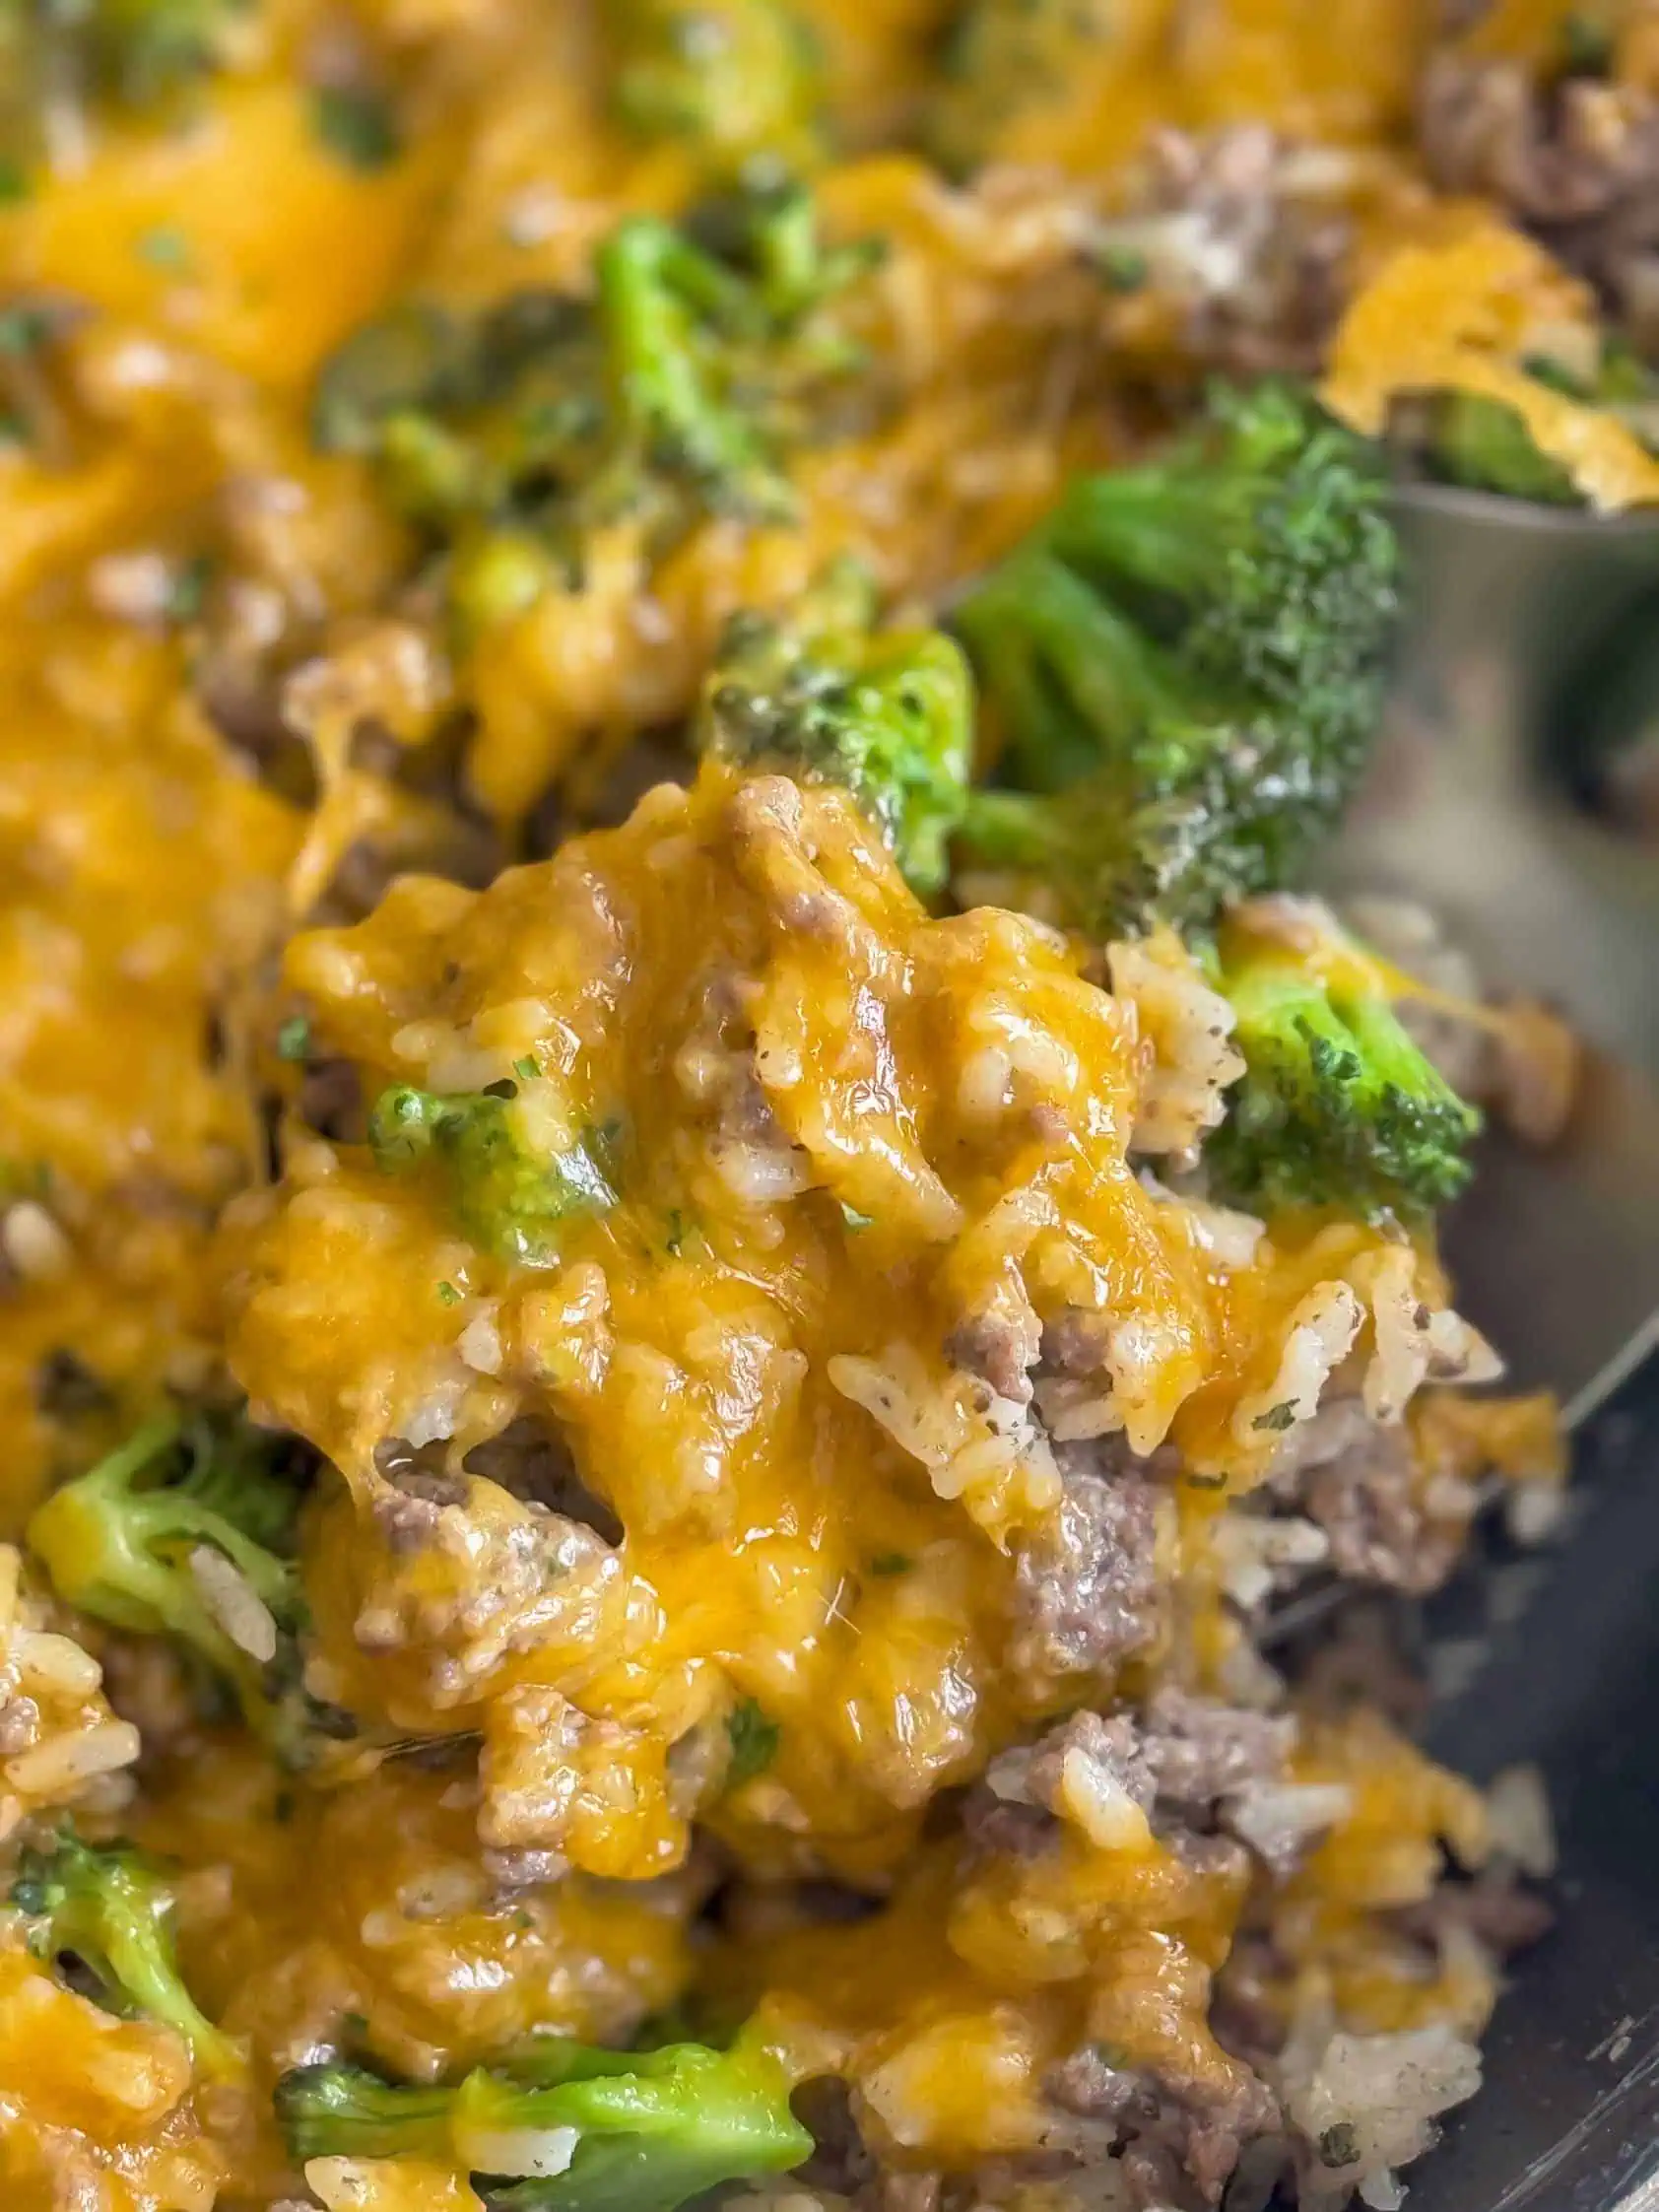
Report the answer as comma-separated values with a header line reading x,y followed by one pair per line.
x,y
1250,237
1085,1584
1188,1762
746,1113
1112,1744
409,1510
1494,1909
1357,1656
1248,2007
1356,1478
331,1100
1217,1859
999,1346
1198,1750
1075,1344
512,1872
1198,2123
534,1463
841,2160
1017,1804
1576,161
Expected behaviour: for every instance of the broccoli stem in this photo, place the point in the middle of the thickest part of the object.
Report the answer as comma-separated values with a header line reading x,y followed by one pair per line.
x,y
1074,678
654,286
111,1908
1009,828
121,1543
569,2128
1167,532
1196,649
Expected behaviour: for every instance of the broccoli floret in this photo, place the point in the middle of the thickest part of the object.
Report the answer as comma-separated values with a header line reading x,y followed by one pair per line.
x,y
1002,57
677,392
1483,445
139,1540
667,309
510,1198
1161,838
827,696
140,55
109,1908
1191,658
144,50
1337,1106
568,2129
734,77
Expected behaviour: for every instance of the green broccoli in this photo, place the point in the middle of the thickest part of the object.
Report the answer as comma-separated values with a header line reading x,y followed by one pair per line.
x,y
1165,836
827,696
676,323
566,2127
1337,1106
1483,445
139,55
1187,662
109,1907
735,78
145,50
185,1531
1000,58
509,1200
708,355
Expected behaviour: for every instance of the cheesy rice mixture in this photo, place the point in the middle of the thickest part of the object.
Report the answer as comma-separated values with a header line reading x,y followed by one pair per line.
x,y
696,1228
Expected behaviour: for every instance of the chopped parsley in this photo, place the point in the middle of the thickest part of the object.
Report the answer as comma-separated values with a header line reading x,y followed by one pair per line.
x,y
753,1741
14,183
24,330
358,125
24,1179
449,1294
1122,268
855,1220
1586,45
1277,1419
892,1563
293,1039
526,1069
165,246
188,589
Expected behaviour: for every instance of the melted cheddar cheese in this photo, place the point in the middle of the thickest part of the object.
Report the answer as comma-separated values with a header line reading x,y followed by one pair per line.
x,y
841,1137
699,1546
1462,312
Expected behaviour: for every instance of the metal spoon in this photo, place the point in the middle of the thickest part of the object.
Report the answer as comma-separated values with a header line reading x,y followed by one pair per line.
x,y
1525,677
1478,809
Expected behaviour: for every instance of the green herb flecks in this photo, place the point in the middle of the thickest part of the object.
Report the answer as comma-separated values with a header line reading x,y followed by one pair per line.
x,y
754,1739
